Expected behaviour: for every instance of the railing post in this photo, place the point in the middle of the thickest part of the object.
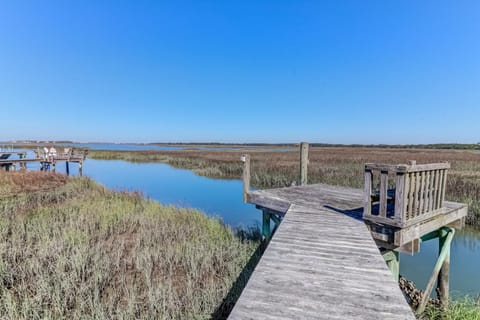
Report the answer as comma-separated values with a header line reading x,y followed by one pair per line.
x,y
246,175
367,193
303,163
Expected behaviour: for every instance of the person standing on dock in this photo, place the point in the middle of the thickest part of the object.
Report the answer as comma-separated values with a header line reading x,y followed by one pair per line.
x,y
52,153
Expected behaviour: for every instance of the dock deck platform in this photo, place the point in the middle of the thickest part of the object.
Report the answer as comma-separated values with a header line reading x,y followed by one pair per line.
x,y
321,263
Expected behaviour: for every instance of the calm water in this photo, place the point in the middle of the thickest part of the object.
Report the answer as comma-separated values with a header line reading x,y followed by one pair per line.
x,y
464,263
223,198
123,147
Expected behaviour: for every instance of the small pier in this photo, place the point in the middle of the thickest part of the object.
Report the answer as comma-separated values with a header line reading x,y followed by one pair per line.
x,y
48,160
332,251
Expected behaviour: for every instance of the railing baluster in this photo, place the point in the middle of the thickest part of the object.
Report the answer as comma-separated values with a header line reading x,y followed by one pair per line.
x,y
417,194
444,187
383,193
367,193
401,196
435,189
411,196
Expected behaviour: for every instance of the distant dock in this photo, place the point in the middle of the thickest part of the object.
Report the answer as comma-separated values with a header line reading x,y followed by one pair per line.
x,y
48,159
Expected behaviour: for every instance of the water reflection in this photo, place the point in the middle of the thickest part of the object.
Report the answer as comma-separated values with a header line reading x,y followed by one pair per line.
x,y
464,263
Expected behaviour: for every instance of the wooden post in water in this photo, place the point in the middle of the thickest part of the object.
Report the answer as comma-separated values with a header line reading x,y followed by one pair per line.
x,y
303,163
443,280
246,175
446,235
54,165
67,168
80,168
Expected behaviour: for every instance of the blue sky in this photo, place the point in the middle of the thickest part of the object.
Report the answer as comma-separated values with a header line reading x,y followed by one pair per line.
x,y
241,71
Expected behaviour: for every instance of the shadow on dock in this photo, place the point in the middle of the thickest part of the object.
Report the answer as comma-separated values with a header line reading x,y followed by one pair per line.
x,y
352,213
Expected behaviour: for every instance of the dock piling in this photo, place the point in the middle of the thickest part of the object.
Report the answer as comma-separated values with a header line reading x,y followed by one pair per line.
x,y
443,281
246,175
440,270
303,163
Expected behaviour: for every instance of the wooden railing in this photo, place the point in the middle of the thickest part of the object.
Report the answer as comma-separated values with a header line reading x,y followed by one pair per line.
x,y
418,193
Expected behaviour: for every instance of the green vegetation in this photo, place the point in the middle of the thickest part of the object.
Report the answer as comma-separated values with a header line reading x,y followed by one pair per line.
x,y
464,309
339,166
71,249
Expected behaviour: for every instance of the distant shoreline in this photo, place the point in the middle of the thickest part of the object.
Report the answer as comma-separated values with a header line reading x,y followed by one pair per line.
x,y
447,146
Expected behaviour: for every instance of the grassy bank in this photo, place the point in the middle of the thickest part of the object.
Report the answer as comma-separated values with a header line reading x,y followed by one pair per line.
x,y
339,166
465,309
71,249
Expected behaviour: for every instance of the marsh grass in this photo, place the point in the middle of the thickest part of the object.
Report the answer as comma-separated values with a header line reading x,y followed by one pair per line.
x,y
464,309
333,165
82,251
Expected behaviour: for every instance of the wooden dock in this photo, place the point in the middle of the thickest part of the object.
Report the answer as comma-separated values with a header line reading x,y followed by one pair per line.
x,y
47,162
321,263
334,253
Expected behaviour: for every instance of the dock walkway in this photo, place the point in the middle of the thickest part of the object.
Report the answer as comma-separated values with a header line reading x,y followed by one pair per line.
x,y
321,263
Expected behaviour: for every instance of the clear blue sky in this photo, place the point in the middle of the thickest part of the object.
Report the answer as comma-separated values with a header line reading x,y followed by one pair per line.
x,y
241,71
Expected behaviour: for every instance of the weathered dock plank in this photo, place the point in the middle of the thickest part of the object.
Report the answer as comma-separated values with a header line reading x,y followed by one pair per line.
x,y
322,262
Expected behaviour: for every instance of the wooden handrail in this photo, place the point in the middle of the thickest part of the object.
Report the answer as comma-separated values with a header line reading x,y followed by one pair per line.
x,y
419,193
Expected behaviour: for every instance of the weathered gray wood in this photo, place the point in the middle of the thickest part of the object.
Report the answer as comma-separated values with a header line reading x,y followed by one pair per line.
x,y
454,212
411,195
401,192
417,194
307,273
367,192
312,264
435,189
322,254
303,163
422,193
440,188
383,193
444,187
246,175
407,168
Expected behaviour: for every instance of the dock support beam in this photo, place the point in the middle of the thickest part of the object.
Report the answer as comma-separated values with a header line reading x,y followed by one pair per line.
x,y
303,163
246,175
392,258
80,168
443,281
266,225
67,168
441,269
